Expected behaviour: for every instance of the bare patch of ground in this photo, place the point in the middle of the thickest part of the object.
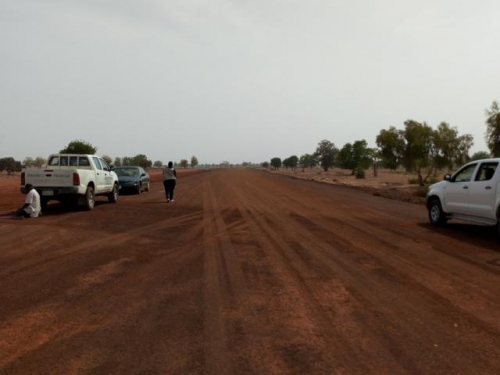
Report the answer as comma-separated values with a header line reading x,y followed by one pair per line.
x,y
397,185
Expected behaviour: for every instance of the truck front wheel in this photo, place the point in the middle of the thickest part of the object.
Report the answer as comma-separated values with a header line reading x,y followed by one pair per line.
x,y
89,198
436,214
113,195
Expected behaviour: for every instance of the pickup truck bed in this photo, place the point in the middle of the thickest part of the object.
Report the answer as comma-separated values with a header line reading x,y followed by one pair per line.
x,y
75,179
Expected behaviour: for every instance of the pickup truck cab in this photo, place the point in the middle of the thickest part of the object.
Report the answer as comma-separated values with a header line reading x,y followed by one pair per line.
x,y
73,178
471,194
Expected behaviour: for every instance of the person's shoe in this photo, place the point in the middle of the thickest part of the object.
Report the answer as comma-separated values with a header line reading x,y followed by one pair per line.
x,y
168,200
172,201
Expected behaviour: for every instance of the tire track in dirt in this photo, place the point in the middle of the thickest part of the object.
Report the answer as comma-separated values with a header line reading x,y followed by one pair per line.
x,y
95,244
229,308
216,347
336,344
355,277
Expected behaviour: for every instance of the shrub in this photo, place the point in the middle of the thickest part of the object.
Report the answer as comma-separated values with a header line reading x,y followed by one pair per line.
x,y
413,181
421,191
359,173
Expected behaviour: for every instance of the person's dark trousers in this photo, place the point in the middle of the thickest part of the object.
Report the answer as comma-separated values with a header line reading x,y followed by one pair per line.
x,y
22,213
169,188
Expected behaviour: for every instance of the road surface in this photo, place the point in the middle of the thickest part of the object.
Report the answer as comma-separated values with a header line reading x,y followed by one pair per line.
x,y
248,273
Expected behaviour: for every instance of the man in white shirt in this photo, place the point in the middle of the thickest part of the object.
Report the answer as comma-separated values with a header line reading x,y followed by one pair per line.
x,y
31,207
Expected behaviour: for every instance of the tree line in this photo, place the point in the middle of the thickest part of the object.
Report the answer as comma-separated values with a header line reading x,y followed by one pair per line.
x,y
82,147
417,147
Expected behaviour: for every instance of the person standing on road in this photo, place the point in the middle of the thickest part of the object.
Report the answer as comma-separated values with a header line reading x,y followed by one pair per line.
x,y
32,206
169,181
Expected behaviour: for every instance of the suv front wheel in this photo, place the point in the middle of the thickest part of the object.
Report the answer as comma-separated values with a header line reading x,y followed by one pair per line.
x,y
436,214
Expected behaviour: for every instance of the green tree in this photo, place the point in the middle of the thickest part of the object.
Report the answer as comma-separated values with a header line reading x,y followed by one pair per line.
x,y
421,149
291,162
10,165
276,163
355,157
141,160
183,163
493,129
327,153
79,147
480,155
306,161
451,150
158,164
194,161
265,164
391,145
118,162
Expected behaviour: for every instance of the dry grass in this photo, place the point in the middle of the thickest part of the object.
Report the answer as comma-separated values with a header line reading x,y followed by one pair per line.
x,y
387,183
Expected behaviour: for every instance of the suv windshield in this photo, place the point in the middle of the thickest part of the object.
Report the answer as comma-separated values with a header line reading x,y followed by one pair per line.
x,y
127,172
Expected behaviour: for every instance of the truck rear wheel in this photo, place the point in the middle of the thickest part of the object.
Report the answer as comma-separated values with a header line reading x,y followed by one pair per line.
x,y
43,203
113,195
436,214
89,198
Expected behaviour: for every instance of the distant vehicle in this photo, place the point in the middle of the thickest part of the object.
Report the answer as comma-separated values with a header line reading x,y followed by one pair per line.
x,y
471,194
132,178
72,178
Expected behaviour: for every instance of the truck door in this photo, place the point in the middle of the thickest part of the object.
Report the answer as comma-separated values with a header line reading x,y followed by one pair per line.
x,y
108,178
482,191
457,191
100,177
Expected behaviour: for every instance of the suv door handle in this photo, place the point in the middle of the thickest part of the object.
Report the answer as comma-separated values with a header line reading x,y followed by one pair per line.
x,y
488,187
465,187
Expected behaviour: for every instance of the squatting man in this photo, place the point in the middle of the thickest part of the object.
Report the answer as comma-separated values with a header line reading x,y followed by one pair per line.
x,y
31,206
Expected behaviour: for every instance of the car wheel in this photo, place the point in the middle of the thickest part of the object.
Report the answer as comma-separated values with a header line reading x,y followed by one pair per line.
x,y
147,187
436,214
139,188
113,195
89,198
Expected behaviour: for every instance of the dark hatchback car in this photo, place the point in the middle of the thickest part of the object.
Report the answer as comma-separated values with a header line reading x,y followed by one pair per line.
x,y
133,179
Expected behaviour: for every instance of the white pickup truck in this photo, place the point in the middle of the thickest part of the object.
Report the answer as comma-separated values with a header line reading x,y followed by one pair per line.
x,y
471,194
72,178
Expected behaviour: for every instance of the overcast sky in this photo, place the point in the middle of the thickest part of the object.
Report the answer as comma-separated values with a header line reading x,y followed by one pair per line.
x,y
240,80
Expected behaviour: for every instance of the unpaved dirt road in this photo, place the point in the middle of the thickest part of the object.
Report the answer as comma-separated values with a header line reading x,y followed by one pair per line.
x,y
248,273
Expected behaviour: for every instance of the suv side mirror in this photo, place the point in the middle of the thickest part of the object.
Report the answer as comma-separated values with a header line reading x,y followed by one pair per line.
x,y
447,177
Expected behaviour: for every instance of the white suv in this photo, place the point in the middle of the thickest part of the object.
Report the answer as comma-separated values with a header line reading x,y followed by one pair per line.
x,y
470,194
